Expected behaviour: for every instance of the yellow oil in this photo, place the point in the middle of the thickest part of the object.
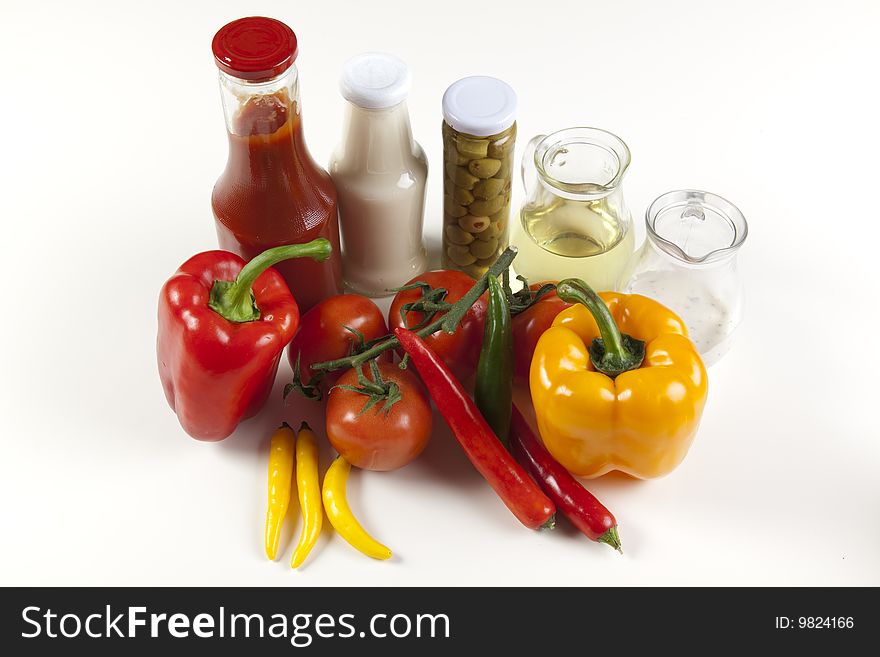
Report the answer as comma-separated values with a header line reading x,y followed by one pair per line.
x,y
568,239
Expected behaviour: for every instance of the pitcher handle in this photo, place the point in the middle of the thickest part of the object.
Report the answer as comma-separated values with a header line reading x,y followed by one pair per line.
x,y
528,170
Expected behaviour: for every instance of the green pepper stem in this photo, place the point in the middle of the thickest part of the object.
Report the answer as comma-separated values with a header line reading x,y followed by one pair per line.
x,y
616,352
575,290
448,322
611,538
234,300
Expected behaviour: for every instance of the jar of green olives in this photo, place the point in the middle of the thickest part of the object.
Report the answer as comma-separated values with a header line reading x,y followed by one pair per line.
x,y
479,133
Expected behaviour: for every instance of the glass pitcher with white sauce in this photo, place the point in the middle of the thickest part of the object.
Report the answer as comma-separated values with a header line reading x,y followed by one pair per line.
x,y
574,221
688,263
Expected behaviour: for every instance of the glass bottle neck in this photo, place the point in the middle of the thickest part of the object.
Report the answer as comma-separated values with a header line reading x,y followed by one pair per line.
x,y
255,108
377,139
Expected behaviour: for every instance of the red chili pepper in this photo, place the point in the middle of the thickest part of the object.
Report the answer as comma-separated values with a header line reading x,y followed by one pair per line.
x,y
513,485
578,504
222,327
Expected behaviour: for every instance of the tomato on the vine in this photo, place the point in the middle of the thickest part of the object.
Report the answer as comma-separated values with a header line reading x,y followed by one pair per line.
x,y
528,327
373,439
459,350
324,332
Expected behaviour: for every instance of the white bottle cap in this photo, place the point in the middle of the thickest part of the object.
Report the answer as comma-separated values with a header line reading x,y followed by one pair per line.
x,y
480,106
375,80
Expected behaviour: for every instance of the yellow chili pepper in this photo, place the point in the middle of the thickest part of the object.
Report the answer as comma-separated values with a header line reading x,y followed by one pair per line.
x,y
280,475
340,514
309,491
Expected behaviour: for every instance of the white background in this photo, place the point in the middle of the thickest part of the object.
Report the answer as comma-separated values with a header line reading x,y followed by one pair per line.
x,y
113,136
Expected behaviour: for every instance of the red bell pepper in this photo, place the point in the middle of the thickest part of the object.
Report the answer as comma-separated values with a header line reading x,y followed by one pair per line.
x,y
513,485
222,327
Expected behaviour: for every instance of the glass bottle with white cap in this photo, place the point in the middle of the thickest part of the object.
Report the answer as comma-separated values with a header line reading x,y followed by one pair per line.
x,y
380,174
479,133
688,263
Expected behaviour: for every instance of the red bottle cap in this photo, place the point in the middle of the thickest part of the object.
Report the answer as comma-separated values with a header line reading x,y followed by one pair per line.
x,y
254,48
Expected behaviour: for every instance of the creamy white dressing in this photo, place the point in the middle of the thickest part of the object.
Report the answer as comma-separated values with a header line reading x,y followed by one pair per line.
x,y
380,174
710,320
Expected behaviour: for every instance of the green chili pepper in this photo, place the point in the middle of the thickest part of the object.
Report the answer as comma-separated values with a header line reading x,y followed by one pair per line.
x,y
494,387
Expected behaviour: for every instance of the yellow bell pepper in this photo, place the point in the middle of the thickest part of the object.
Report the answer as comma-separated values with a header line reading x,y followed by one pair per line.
x,y
616,384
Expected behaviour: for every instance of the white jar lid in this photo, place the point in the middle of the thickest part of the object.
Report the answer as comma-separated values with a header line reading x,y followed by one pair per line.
x,y
375,80
480,106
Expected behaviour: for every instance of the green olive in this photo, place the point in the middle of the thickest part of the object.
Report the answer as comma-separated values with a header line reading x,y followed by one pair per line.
x,y
501,148
451,154
474,271
473,148
505,168
473,224
485,208
491,232
460,255
484,249
460,176
484,168
462,196
452,208
489,188
457,235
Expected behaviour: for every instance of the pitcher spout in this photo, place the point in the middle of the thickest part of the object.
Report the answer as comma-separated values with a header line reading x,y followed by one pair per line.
x,y
581,163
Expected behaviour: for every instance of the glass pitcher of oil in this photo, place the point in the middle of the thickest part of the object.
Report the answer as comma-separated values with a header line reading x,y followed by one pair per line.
x,y
574,221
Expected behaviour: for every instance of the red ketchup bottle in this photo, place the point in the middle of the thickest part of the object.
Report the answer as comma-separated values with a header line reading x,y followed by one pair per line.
x,y
271,192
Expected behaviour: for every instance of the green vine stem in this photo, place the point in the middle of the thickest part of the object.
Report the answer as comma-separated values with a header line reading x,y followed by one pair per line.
x,y
448,322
